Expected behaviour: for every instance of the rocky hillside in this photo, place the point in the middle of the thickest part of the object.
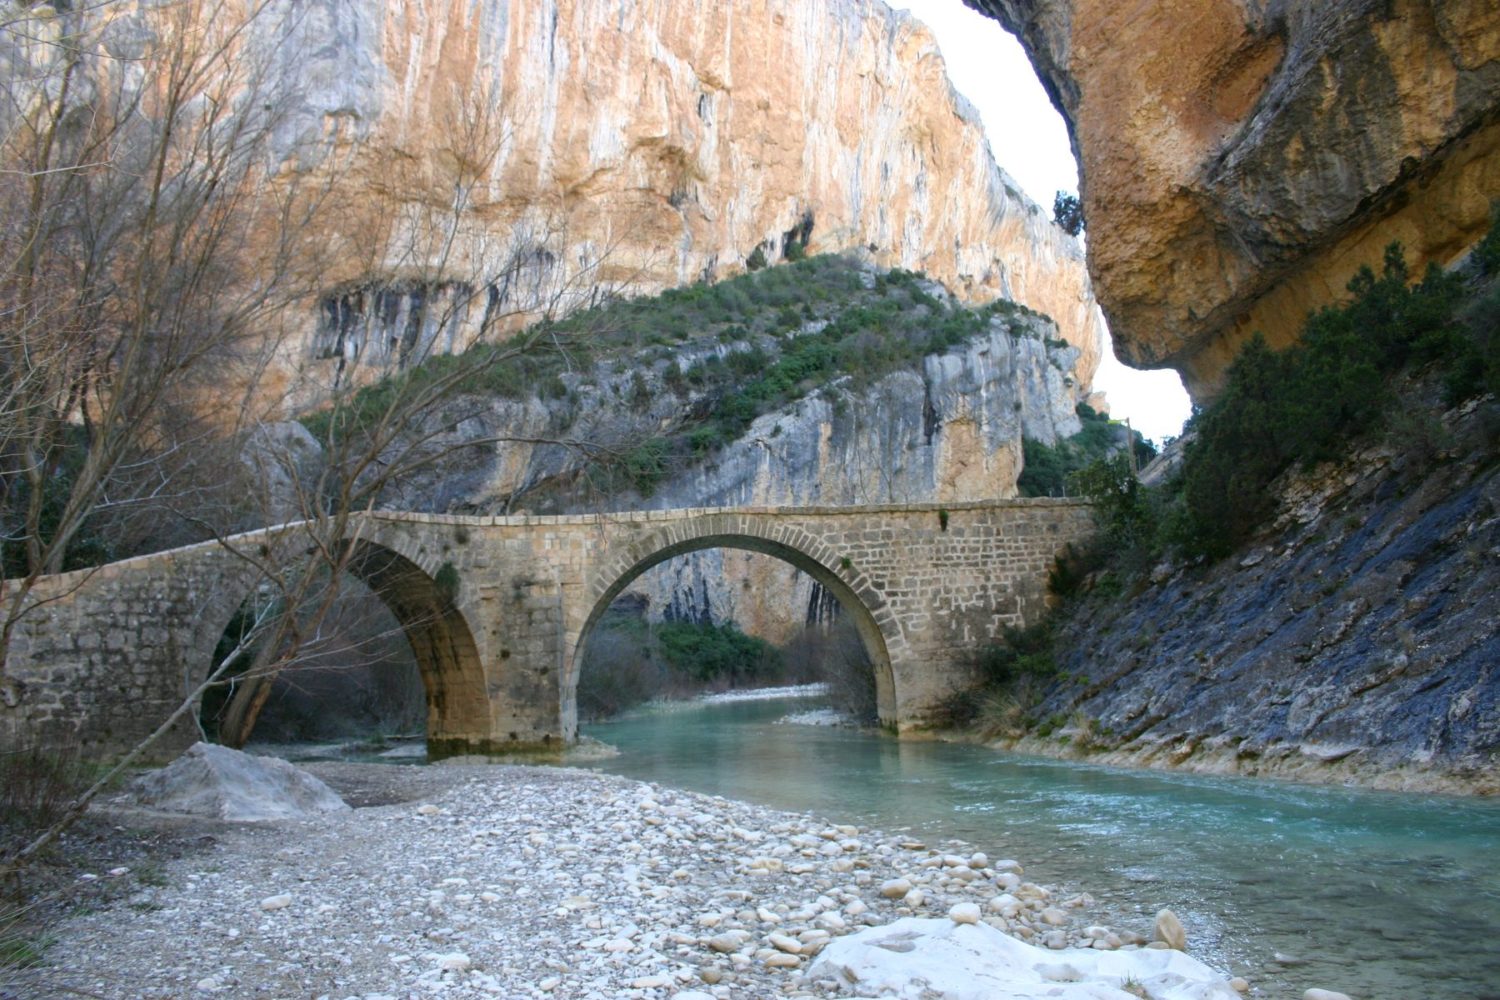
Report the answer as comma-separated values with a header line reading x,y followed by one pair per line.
x,y
410,178
824,381
663,143
1359,638
1240,159
1313,591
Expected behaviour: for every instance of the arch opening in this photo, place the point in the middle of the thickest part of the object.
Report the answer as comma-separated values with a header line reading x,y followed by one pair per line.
x,y
857,610
320,618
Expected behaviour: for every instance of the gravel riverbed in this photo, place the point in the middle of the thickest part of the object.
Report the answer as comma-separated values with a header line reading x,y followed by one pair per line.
x,y
481,881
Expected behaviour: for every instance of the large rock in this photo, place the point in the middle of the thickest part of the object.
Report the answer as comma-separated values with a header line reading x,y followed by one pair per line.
x,y
1241,159
934,959
215,781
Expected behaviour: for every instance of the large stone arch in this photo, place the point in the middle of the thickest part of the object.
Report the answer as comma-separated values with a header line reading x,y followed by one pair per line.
x,y
878,629
441,639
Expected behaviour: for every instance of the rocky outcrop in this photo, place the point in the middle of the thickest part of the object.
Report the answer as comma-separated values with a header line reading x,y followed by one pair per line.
x,y
445,170
949,429
221,783
635,147
1241,159
1356,640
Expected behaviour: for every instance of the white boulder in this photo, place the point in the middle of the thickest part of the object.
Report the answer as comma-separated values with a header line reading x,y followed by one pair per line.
x,y
932,959
221,783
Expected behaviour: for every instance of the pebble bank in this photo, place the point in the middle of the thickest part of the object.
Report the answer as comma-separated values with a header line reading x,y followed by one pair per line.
x,y
540,882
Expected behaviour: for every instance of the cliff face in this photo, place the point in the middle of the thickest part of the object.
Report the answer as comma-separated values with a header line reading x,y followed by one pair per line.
x,y
1357,639
946,427
630,147
951,432
1241,159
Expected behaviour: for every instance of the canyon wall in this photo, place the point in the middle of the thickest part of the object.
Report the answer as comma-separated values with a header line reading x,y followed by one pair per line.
x,y
432,172
948,429
1241,159
554,150
1355,640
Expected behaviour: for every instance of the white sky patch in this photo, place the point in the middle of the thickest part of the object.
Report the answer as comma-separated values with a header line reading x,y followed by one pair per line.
x,y
988,66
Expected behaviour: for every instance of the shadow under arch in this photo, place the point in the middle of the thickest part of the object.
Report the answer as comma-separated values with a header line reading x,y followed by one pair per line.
x,y
861,608
442,643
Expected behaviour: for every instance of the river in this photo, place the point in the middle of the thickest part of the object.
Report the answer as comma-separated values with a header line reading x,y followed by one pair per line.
x,y
1383,896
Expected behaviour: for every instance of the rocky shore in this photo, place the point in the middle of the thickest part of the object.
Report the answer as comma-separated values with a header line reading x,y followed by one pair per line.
x,y
475,881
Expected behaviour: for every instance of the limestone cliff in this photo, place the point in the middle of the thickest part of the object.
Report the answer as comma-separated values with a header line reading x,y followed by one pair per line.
x,y
944,426
1240,159
631,147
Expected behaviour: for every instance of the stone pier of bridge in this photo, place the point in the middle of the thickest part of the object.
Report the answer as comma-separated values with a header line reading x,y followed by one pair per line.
x,y
498,610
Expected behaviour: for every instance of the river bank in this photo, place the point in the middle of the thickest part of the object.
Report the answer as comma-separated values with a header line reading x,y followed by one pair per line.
x,y
1307,763
481,881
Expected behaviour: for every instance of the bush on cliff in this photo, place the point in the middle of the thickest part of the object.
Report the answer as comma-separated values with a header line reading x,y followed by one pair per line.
x,y
1308,403
1046,469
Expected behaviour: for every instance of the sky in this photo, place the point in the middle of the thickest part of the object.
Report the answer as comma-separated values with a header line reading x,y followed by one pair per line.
x,y
1027,135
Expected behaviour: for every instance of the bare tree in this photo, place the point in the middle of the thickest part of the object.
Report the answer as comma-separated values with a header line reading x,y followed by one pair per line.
x,y
147,248
156,243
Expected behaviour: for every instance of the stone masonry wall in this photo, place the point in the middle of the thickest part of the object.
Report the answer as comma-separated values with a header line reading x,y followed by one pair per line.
x,y
114,651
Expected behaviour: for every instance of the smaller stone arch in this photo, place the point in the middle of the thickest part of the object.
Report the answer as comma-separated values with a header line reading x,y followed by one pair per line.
x,y
441,640
877,628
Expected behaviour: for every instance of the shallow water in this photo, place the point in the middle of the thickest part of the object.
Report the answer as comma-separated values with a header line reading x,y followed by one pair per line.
x,y
1383,896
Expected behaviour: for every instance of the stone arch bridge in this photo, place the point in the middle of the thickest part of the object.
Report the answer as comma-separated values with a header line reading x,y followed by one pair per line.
x,y
498,609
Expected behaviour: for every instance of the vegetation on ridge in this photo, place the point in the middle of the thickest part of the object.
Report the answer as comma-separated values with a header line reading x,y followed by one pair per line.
x,y
630,661
728,351
1047,470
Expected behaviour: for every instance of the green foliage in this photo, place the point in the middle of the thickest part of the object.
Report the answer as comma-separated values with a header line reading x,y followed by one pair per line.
x,y
1122,506
708,652
645,465
628,662
1067,213
756,260
1307,403
1020,653
91,546
1487,253
1046,469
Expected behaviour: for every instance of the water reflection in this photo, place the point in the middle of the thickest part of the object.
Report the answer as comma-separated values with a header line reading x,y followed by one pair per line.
x,y
1371,893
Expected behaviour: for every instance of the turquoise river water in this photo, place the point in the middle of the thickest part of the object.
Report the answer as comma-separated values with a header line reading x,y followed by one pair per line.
x,y
1382,896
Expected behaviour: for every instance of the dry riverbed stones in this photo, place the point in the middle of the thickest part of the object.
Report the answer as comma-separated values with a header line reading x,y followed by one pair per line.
x,y
540,882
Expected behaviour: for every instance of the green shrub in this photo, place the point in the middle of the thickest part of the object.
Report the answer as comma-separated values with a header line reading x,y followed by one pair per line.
x,y
645,465
1307,404
710,653
1121,506
1046,469
1487,253
90,546
1020,652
